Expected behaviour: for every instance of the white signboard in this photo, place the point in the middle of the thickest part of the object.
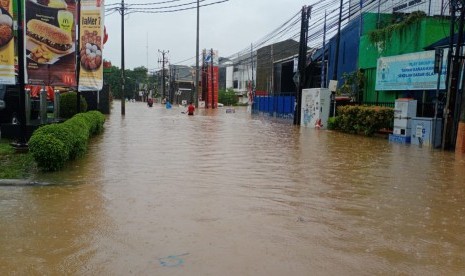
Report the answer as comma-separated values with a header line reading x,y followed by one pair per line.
x,y
413,71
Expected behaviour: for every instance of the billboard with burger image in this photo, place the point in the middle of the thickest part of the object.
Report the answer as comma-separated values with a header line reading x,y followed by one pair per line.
x,y
50,46
7,50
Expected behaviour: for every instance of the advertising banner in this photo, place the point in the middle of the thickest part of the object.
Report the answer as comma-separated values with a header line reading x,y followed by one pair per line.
x,y
91,45
50,43
7,45
409,72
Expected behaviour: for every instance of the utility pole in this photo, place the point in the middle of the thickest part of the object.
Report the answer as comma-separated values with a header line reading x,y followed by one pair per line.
x,y
253,81
163,61
172,83
78,60
22,143
196,94
212,77
323,57
460,144
336,60
451,112
123,98
306,11
204,79
147,50
272,72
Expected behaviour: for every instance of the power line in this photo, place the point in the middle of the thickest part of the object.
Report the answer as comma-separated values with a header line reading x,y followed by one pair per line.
x,y
155,3
175,10
165,9
318,8
182,61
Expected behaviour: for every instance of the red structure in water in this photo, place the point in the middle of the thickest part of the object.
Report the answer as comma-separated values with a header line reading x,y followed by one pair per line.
x,y
210,77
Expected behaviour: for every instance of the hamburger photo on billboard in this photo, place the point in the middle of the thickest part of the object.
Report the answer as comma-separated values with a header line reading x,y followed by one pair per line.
x,y
52,37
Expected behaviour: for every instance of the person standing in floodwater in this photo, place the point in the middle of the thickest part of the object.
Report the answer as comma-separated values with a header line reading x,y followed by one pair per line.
x,y
190,109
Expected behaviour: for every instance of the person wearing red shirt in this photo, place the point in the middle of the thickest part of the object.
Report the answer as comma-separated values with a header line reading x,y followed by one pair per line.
x,y
190,109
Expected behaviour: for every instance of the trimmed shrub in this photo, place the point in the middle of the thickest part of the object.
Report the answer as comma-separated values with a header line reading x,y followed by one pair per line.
x,y
49,152
85,121
52,145
98,119
333,123
79,141
68,104
363,119
65,135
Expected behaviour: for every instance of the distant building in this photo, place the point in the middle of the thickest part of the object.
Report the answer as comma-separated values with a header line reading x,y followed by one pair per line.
x,y
181,83
243,74
266,57
226,74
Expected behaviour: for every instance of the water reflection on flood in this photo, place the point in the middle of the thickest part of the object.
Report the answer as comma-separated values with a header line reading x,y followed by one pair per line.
x,y
161,193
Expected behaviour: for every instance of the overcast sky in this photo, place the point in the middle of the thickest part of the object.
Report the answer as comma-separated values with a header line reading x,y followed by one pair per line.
x,y
227,27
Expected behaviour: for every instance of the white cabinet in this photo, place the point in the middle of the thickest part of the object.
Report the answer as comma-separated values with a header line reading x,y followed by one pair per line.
x,y
426,131
315,107
404,111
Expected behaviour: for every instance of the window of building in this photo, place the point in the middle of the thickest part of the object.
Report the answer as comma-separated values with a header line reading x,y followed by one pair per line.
x,y
235,84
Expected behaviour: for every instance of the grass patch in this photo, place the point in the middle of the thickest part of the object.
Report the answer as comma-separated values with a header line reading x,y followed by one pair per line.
x,y
15,165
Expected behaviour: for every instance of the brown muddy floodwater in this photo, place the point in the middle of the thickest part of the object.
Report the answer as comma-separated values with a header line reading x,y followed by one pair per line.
x,y
161,193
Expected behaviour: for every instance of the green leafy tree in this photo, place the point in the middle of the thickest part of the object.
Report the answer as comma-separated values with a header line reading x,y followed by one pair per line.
x,y
227,97
133,79
113,79
353,85
153,84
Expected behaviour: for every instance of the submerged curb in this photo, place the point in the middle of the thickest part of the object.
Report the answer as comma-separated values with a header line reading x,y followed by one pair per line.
x,y
21,182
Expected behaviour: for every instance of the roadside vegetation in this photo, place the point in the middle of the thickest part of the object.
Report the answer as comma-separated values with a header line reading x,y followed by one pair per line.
x,y
53,145
50,146
228,97
15,165
366,120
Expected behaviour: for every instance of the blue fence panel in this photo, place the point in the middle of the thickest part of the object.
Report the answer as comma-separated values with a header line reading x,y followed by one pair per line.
x,y
288,104
279,106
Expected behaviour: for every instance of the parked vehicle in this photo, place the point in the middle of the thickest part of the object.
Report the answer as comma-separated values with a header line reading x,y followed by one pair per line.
x,y
10,97
2,95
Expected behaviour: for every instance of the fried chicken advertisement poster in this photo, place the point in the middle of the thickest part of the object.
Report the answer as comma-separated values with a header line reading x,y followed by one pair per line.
x,y
50,45
7,50
91,45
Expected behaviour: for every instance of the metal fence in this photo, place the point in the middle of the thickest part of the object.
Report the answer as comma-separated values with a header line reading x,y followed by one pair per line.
x,y
283,105
279,106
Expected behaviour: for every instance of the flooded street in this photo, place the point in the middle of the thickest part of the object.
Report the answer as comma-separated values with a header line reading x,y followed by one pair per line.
x,y
161,193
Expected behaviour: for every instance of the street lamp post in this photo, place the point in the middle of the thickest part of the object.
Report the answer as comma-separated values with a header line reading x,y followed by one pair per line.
x,y
123,108
196,94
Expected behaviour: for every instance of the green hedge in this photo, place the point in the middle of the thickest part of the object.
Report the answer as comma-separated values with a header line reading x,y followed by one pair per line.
x,y
68,104
52,145
362,119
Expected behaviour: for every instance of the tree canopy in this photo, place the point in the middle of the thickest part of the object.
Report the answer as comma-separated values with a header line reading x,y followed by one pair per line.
x,y
227,97
134,78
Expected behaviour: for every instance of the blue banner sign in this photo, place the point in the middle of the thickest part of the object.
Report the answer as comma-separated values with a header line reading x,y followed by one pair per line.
x,y
413,71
